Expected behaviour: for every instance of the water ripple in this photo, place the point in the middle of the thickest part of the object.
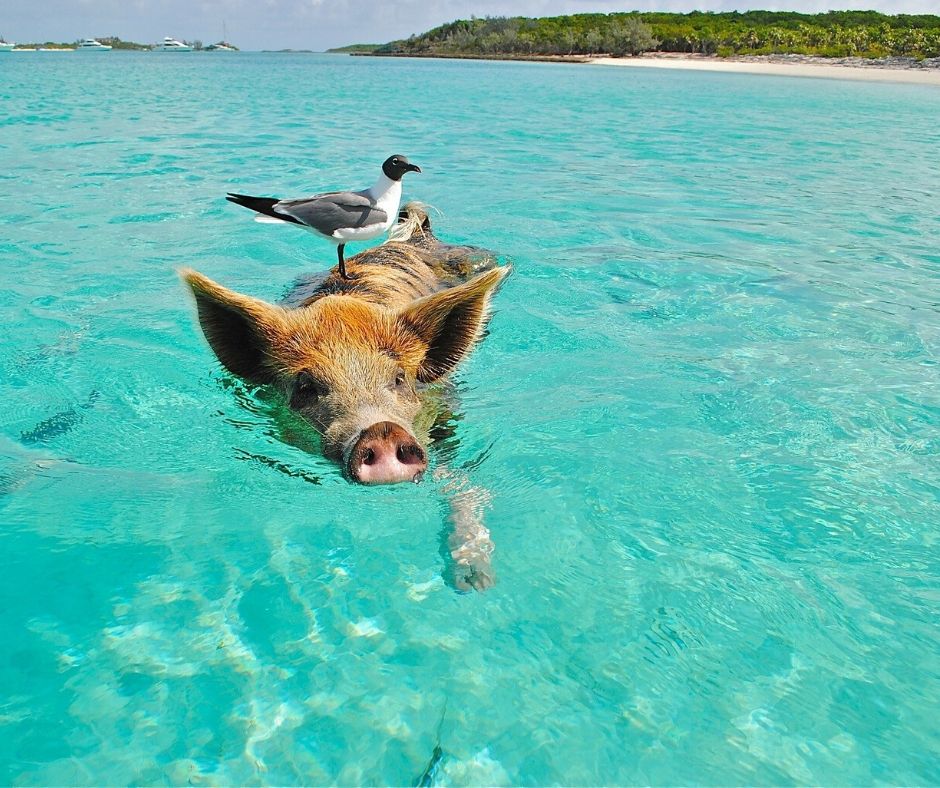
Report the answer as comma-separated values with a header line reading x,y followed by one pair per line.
x,y
701,432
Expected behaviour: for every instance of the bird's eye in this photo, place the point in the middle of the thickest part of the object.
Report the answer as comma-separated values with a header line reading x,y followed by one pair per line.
x,y
307,390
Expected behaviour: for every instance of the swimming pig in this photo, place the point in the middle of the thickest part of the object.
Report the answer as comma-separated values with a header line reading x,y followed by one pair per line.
x,y
362,360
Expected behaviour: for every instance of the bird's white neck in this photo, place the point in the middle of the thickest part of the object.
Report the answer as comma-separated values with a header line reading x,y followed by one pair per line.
x,y
386,192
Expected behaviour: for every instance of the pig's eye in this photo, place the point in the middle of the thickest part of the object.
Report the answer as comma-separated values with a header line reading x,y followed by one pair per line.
x,y
400,379
307,390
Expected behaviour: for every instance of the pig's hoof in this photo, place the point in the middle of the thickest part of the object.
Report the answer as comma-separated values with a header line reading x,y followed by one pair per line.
x,y
477,576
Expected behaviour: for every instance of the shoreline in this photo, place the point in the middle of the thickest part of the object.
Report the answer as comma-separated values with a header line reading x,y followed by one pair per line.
x,y
464,56
897,70
784,66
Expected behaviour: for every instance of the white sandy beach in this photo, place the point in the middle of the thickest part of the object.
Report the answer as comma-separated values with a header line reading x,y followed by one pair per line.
x,y
813,70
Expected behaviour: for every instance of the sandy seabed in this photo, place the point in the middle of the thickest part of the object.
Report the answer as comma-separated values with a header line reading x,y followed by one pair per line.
x,y
813,70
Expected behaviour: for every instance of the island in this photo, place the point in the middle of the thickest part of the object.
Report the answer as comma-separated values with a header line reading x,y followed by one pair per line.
x,y
836,34
355,49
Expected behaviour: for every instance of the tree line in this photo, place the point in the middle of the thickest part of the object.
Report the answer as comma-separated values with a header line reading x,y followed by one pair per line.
x,y
833,34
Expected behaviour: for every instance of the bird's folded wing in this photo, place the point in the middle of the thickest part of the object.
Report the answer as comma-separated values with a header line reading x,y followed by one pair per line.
x,y
327,213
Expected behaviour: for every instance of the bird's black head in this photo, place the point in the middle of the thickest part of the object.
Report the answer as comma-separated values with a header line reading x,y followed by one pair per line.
x,y
396,166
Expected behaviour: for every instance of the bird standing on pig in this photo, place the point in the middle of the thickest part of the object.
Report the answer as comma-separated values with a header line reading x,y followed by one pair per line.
x,y
360,360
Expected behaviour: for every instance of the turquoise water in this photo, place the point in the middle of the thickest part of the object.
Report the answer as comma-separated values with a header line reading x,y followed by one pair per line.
x,y
707,417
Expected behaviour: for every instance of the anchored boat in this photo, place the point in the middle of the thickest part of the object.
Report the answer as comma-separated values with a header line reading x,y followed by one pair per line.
x,y
172,45
90,45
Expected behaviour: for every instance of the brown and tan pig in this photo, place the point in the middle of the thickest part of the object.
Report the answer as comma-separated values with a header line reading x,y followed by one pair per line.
x,y
362,360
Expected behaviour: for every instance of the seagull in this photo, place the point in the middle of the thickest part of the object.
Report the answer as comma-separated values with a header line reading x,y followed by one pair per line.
x,y
339,216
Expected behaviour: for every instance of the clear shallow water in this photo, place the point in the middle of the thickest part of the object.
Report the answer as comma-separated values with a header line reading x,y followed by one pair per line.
x,y
707,414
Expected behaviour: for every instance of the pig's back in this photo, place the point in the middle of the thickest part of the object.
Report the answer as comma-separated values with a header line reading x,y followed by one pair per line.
x,y
394,274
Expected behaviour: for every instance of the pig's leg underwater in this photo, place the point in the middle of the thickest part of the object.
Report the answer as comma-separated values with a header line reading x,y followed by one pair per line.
x,y
471,547
468,547
466,544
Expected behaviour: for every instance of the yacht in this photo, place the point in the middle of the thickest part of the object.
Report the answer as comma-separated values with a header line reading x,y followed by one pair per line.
x,y
220,47
172,45
6,46
90,45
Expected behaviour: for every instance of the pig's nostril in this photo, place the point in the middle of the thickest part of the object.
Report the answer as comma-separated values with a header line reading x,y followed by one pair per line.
x,y
408,454
368,457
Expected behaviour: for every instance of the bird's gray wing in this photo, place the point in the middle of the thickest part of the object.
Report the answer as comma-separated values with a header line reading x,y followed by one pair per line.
x,y
326,213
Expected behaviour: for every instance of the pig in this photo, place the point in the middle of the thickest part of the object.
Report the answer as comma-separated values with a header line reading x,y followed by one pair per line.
x,y
364,360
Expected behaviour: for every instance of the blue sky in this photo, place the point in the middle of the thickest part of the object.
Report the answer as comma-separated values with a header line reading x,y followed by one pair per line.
x,y
319,24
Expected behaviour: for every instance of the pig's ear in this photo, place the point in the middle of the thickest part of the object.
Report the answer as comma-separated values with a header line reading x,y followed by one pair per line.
x,y
241,330
450,322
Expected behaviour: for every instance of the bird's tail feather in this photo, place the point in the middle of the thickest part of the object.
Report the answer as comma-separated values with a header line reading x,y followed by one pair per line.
x,y
262,205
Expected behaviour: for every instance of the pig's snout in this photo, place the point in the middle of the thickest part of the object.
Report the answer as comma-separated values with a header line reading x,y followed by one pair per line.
x,y
385,454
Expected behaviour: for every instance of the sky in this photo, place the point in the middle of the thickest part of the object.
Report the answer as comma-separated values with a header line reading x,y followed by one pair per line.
x,y
320,24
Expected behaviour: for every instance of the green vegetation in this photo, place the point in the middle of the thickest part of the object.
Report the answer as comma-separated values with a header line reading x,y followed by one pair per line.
x,y
44,45
116,43
113,41
357,48
834,34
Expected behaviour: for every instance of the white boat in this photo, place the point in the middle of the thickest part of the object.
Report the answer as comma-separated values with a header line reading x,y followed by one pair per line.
x,y
223,45
6,46
90,45
172,45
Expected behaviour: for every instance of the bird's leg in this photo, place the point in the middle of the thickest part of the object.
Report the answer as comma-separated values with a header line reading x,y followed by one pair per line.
x,y
342,262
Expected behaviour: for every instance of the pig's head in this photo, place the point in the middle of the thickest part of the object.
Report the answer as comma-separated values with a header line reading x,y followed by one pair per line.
x,y
351,368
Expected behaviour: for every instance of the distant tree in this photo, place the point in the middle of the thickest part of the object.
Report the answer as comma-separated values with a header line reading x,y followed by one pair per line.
x,y
630,37
592,42
567,42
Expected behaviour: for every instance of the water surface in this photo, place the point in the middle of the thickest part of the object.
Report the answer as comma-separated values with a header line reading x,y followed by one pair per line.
x,y
707,415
